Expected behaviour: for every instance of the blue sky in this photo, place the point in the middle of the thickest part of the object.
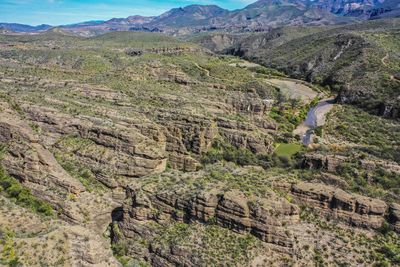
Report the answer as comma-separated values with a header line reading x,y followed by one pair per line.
x,y
56,12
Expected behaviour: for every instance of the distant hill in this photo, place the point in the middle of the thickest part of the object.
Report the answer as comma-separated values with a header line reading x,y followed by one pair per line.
x,y
259,16
194,15
85,24
15,27
271,13
387,9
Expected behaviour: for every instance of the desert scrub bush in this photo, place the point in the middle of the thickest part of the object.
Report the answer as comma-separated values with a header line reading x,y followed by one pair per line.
x,y
377,136
174,234
116,232
120,251
3,149
13,104
22,195
8,254
267,71
378,183
85,175
308,214
222,150
386,247
318,258
211,245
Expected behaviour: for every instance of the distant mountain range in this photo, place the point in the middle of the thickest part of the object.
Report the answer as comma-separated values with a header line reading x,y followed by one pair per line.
x,y
15,27
259,16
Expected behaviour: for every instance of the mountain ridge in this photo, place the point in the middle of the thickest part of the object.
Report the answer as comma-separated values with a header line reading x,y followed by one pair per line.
x,y
258,16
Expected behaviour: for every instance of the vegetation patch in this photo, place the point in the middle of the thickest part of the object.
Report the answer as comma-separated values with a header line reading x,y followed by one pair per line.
x,y
375,135
252,181
22,195
383,248
211,244
80,172
284,155
289,113
76,169
221,150
8,255
287,150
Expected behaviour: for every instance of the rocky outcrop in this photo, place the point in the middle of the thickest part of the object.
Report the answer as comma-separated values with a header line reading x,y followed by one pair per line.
x,y
134,52
34,165
394,216
354,209
269,219
248,103
88,248
175,50
358,95
315,161
263,218
194,135
387,165
27,159
129,153
333,180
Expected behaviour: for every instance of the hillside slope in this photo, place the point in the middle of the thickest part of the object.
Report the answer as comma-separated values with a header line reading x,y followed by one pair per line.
x,y
360,62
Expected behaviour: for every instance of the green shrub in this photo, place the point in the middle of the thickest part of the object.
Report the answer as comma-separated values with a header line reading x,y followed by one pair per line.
x,y
385,228
223,151
120,251
318,131
22,195
287,150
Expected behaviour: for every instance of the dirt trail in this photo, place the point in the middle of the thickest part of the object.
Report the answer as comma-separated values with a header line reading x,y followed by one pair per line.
x,y
203,69
245,64
384,59
294,89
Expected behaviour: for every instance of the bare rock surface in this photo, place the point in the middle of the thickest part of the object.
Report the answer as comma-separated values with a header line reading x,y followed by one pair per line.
x,y
354,209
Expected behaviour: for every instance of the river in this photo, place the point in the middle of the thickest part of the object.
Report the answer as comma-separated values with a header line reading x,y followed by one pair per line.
x,y
316,117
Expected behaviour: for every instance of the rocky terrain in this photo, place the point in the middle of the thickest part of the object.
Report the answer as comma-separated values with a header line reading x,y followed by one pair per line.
x,y
130,149
359,62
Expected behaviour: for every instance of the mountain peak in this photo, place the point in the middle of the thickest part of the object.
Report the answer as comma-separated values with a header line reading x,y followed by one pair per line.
x,y
205,10
265,3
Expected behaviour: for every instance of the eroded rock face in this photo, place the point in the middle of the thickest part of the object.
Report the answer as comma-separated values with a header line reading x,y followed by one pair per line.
x,y
333,180
263,218
36,168
28,160
317,161
394,216
273,220
139,149
89,249
269,219
187,135
355,209
132,154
